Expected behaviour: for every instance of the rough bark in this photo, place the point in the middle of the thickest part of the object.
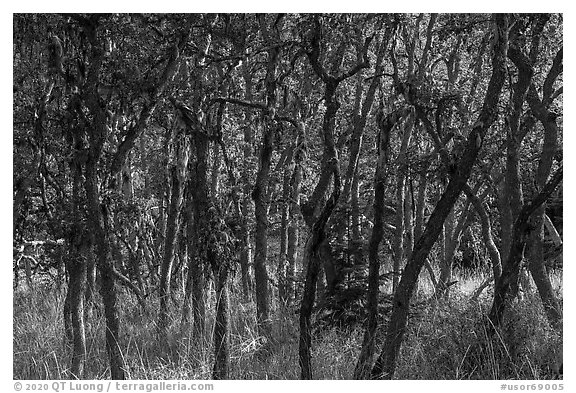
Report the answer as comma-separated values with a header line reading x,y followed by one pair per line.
x,y
108,289
260,193
312,261
365,359
549,148
521,235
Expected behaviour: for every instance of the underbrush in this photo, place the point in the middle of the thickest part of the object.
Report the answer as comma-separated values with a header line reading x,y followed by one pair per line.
x,y
445,340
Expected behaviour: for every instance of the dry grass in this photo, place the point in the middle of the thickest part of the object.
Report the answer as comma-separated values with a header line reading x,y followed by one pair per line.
x,y
446,340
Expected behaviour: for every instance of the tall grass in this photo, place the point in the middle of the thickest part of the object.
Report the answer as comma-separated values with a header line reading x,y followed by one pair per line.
x,y
445,340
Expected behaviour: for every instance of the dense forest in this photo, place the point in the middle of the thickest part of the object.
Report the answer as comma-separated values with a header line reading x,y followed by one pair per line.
x,y
284,196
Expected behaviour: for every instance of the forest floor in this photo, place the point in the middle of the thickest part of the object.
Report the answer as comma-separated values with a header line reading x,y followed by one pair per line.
x,y
446,340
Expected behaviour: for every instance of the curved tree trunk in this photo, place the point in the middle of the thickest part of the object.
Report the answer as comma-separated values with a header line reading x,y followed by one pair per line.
x,y
536,258
505,285
487,234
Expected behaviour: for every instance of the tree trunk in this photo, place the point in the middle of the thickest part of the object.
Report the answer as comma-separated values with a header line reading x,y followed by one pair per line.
x,y
177,171
215,172
260,193
104,263
315,211
538,270
386,363
202,231
77,288
312,261
284,224
188,222
450,244
293,231
261,205
512,266
246,247
548,119
400,196
221,345
487,235
365,360
79,248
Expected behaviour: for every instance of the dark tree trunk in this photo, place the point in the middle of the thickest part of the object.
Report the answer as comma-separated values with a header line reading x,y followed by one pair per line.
x,y
202,231
487,235
108,289
316,212
191,252
260,193
521,235
365,360
77,267
261,205
312,262
284,225
548,119
386,363
221,345
538,270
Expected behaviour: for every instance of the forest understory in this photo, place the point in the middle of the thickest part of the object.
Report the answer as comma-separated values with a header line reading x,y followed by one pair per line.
x,y
447,340
288,196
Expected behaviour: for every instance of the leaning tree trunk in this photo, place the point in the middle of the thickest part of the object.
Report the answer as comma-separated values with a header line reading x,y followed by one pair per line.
x,y
548,119
521,235
513,196
386,363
